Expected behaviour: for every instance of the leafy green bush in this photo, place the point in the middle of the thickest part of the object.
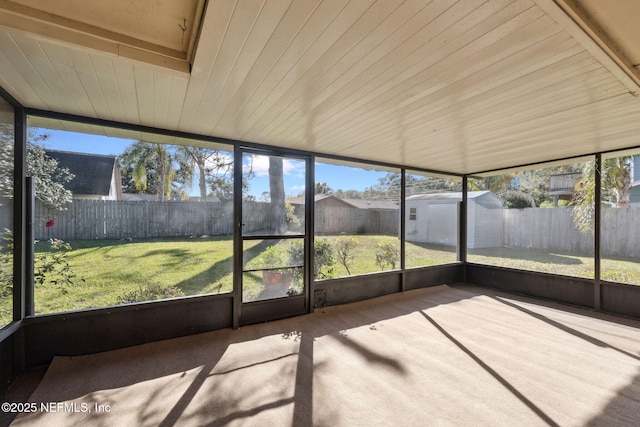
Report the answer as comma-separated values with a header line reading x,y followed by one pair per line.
x,y
387,254
6,277
6,263
150,293
517,200
323,257
292,218
53,267
549,204
271,257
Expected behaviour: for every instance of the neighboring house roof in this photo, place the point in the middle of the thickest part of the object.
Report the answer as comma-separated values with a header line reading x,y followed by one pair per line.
x,y
92,172
318,198
349,203
139,197
144,197
378,205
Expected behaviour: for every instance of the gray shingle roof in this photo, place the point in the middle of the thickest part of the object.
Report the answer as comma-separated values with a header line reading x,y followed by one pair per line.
x,y
448,195
383,205
92,171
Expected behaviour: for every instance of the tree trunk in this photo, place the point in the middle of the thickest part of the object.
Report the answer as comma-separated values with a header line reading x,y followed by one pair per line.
x,y
202,183
276,187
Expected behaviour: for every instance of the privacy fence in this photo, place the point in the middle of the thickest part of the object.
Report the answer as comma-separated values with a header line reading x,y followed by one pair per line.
x,y
6,214
533,228
553,229
97,219
333,220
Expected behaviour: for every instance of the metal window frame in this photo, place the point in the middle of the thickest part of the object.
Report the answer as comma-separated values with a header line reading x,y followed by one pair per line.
x,y
15,332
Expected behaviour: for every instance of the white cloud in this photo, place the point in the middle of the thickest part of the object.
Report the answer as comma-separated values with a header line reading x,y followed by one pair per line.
x,y
260,167
296,189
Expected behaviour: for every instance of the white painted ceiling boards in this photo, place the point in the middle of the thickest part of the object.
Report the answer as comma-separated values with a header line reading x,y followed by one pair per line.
x,y
459,86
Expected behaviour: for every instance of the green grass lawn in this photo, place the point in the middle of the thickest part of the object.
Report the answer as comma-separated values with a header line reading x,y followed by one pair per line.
x,y
569,264
619,269
107,270
110,272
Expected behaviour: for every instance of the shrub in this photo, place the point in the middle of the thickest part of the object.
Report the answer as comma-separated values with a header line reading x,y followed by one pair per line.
x,y
150,293
323,257
387,253
292,218
271,257
549,204
517,200
345,247
6,263
53,267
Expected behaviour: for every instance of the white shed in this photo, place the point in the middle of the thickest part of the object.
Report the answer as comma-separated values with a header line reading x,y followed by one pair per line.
x,y
433,218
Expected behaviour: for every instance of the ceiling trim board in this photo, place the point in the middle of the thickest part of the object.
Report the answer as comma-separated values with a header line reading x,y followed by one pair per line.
x,y
53,27
578,25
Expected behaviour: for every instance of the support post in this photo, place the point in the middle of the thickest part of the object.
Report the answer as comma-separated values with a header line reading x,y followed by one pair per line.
x,y
403,197
597,297
462,228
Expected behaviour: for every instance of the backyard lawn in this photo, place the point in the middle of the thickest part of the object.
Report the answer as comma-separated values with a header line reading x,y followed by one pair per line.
x,y
110,272
618,269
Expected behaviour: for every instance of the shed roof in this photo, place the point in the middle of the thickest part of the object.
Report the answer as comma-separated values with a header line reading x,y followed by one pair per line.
x,y
486,198
448,195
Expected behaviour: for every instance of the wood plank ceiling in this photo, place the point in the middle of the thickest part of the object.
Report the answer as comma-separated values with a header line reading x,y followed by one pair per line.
x,y
457,86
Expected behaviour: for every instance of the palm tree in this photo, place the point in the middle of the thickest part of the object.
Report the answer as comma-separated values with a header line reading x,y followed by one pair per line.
x,y
616,181
151,166
616,184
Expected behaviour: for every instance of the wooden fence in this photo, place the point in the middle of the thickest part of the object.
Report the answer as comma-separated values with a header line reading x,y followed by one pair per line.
x,y
334,220
6,214
533,228
621,231
553,229
97,219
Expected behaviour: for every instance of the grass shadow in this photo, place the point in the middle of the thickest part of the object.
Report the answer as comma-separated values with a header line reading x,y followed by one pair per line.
x,y
530,255
222,267
154,257
433,247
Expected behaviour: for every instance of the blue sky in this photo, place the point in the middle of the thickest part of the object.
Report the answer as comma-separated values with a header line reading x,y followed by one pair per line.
x,y
336,177
83,143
